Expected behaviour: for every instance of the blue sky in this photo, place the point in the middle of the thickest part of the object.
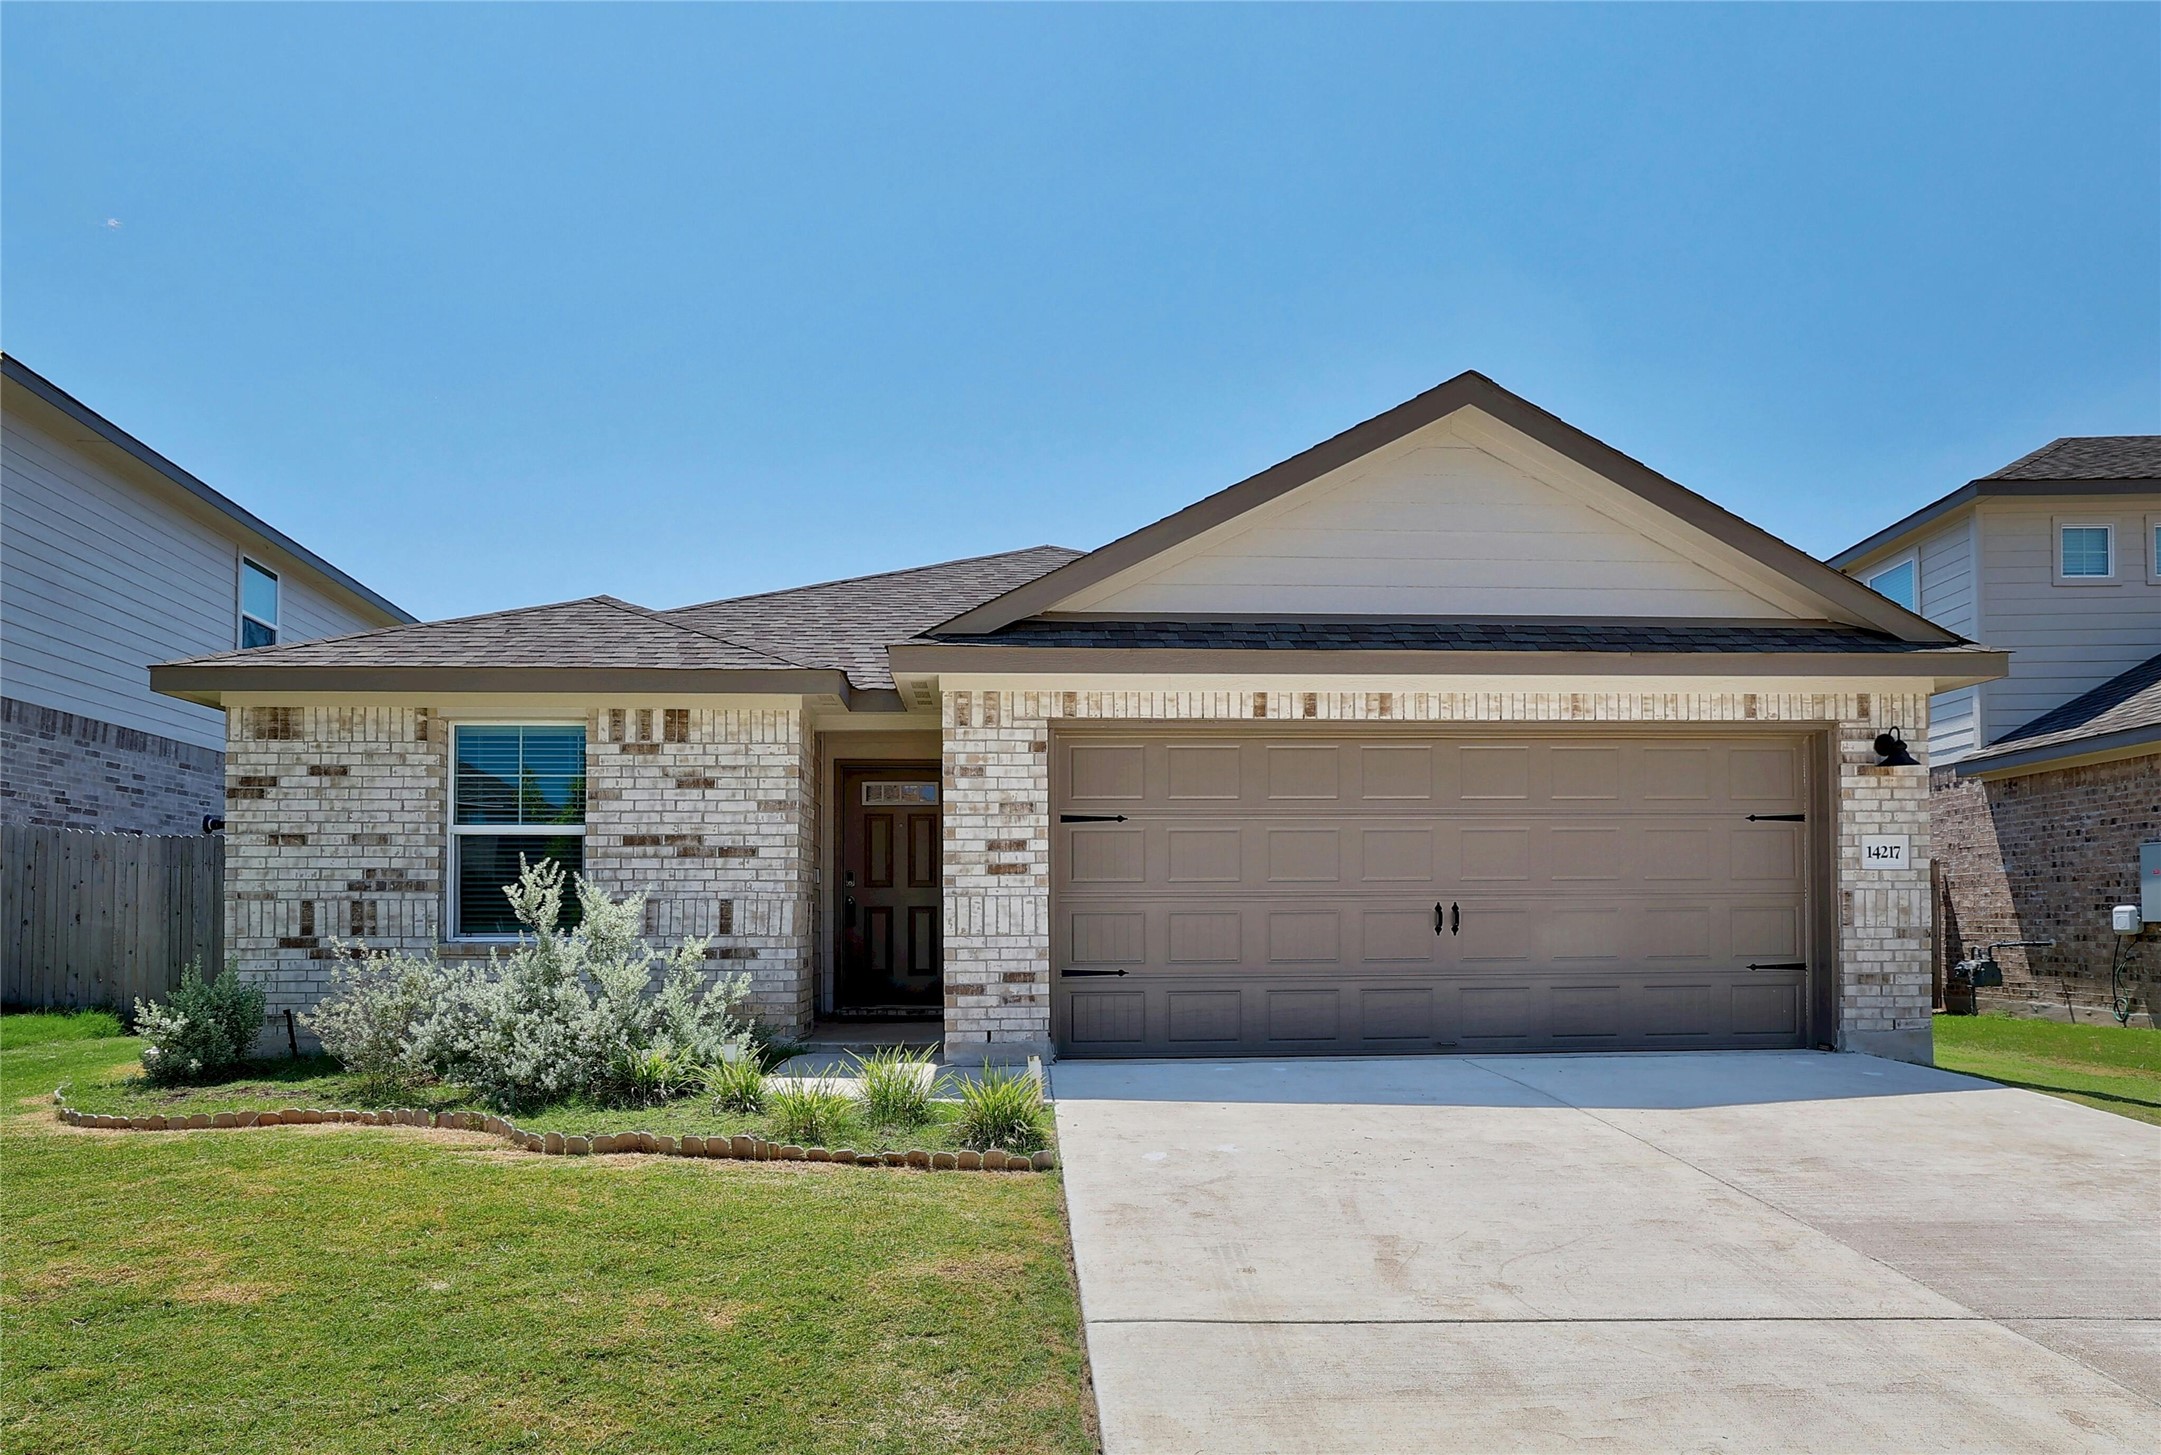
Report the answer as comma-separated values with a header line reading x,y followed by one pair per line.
x,y
494,305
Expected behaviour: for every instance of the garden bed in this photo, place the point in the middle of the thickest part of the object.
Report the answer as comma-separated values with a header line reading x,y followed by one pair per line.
x,y
306,1082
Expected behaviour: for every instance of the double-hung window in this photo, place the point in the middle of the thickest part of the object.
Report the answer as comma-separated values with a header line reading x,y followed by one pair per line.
x,y
517,793
258,605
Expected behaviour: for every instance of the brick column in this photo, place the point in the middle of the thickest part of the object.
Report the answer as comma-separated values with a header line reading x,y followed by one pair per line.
x,y
1884,914
997,877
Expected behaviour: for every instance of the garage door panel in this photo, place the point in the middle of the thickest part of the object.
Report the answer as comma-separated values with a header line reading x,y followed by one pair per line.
x,y
1396,773
1271,895
1397,937
1106,772
1304,774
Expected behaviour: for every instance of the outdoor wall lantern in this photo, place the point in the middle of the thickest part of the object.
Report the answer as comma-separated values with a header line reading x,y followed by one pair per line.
x,y
1891,751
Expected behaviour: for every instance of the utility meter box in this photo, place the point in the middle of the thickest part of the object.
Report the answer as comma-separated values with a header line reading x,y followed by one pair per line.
x,y
2149,882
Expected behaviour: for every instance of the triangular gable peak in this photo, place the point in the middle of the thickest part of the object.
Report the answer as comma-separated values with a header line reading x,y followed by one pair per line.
x,y
1466,502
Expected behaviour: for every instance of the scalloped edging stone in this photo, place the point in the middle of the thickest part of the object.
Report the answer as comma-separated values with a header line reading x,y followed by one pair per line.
x,y
556,1144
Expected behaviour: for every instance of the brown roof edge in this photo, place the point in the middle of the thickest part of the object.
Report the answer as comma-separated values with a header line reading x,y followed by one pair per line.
x,y
207,684
1469,389
1949,667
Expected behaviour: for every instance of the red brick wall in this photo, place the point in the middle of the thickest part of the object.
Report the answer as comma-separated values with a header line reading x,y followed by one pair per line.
x,y
2045,856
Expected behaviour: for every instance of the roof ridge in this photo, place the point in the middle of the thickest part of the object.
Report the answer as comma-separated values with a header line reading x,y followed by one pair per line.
x,y
403,626
870,576
660,619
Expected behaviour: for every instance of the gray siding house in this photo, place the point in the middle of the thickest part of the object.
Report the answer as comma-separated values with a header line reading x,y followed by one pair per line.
x,y
113,558
2047,782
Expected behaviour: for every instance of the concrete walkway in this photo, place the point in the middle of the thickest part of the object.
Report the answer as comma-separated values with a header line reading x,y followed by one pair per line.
x,y
1751,1251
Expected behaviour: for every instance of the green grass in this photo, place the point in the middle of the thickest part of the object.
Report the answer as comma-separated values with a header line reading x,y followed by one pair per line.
x,y
384,1289
316,1081
36,1028
2114,1068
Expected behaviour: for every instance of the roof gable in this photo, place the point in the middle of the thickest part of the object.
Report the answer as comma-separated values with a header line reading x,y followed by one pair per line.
x,y
1466,501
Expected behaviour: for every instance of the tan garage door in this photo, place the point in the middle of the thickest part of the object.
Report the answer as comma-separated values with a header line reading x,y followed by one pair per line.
x,y
1217,894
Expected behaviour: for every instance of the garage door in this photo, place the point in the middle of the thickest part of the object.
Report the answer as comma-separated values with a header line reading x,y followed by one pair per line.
x,y
1221,895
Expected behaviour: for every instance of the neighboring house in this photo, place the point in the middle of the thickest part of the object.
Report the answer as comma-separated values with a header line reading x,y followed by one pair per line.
x,y
1458,731
2048,781
112,558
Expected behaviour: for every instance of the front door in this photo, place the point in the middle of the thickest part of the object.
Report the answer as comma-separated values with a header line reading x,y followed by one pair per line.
x,y
889,894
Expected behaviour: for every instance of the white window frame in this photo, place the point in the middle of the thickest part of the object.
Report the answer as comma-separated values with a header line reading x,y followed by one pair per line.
x,y
454,931
2062,523
2153,550
1910,558
240,601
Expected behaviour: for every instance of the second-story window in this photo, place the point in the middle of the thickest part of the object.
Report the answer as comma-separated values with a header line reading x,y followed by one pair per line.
x,y
258,605
1900,582
2083,553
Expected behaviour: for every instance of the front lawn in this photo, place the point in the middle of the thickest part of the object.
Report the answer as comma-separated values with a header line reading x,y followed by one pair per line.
x,y
354,1288
2114,1068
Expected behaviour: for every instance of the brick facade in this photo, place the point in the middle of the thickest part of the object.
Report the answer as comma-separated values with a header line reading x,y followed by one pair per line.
x,y
336,826
997,832
64,771
2045,856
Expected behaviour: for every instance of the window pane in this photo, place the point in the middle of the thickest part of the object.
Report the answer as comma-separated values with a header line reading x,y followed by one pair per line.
x,y
1898,584
2085,550
488,863
487,783
258,593
520,775
254,634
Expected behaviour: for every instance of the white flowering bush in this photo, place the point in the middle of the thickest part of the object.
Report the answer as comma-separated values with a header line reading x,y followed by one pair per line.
x,y
202,1030
371,1018
569,1012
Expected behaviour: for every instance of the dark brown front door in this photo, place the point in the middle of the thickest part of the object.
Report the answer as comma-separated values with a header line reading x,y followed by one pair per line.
x,y
888,912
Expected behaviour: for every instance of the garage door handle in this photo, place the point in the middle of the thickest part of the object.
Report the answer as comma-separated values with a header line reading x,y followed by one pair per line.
x,y
1437,917
1452,921
1091,972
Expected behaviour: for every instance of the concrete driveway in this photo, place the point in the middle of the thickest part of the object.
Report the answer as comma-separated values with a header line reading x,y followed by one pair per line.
x,y
1749,1251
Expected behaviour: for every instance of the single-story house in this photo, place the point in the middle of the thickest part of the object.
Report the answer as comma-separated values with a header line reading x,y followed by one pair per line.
x,y
1458,731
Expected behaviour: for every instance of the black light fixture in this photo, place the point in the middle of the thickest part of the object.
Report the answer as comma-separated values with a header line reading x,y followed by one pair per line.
x,y
1891,751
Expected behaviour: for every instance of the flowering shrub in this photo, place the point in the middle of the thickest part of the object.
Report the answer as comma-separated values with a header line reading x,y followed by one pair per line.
x,y
370,1020
569,1012
203,1029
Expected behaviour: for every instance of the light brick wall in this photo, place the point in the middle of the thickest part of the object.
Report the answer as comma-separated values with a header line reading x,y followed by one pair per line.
x,y
997,830
336,827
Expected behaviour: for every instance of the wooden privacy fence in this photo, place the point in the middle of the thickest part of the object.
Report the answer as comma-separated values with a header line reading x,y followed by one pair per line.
x,y
101,919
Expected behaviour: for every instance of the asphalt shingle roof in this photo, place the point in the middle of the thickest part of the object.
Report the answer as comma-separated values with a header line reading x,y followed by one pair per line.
x,y
2124,702
844,625
597,631
2089,457
1443,636
849,624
